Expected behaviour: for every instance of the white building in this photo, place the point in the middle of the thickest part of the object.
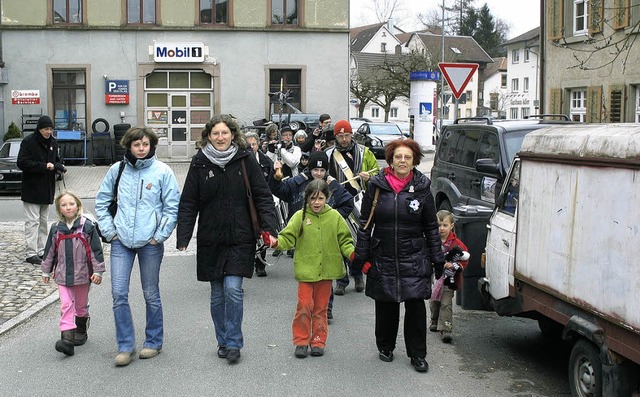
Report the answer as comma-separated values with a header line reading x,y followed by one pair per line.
x,y
523,75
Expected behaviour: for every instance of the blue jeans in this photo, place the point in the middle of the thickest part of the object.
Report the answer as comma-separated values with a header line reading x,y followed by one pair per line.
x,y
149,258
356,274
226,311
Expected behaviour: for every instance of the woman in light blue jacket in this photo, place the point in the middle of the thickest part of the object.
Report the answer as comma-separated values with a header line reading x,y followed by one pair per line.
x,y
147,198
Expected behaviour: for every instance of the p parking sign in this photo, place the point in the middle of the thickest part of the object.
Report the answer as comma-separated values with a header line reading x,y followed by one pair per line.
x,y
116,92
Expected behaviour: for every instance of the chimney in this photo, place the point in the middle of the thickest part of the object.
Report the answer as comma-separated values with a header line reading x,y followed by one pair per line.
x,y
390,26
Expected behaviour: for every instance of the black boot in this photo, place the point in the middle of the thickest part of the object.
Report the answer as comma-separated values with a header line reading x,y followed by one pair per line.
x,y
65,344
82,324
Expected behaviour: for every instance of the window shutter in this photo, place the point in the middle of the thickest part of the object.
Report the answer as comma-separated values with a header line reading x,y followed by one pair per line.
x,y
555,101
555,16
620,14
594,105
617,100
596,15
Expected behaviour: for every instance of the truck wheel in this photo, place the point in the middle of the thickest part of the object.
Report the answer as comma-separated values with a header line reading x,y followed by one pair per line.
x,y
585,370
445,205
550,329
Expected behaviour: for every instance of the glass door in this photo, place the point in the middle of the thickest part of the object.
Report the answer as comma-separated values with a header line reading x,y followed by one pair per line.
x,y
178,125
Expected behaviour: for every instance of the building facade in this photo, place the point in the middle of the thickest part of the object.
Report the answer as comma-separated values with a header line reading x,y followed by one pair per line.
x,y
523,75
591,59
171,65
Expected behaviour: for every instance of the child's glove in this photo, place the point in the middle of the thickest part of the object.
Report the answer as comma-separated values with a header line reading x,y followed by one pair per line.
x,y
438,268
366,267
266,239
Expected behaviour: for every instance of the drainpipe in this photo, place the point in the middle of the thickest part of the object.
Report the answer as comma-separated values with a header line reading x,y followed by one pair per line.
x,y
541,60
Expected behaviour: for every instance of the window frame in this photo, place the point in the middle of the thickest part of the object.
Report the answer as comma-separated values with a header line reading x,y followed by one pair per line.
x,y
55,89
299,14
503,80
83,14
213,24
515,56
515,85
525,84
125,11
287,84
513,113
578,104
527,55
375,112
583,18
638,104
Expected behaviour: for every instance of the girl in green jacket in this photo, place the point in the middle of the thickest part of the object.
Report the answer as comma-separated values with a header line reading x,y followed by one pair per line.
x,y
321,238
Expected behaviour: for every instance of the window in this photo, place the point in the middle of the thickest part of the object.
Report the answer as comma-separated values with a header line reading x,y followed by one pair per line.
x,y
67,11
69,99
580,17
375,112
459,147
393,113
383,47
578,107
284,12
525,112
525,84
141,11
214,12
514,113
510,199
503,81
514,85
637,104
290,80
515,56
469,96
527,54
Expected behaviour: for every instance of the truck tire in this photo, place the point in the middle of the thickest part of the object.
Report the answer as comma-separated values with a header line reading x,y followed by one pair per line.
x,y
94,126
585,370
550,329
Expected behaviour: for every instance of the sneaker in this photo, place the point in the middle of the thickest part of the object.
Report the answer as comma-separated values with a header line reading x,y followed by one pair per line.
x,y
359,285
433,327
147,352
290,253
261,272
446,337
222,352
233,355
301,351
276,253
317,351
124,358
34,260
339,290
386,355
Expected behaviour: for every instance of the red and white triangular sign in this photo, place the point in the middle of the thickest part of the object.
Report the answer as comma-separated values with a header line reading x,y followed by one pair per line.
x,y
458,75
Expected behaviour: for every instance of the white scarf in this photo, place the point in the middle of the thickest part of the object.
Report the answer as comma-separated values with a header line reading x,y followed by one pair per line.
x,y
217,157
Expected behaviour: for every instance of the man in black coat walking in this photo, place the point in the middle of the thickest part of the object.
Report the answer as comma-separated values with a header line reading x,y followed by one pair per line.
x,y
39,161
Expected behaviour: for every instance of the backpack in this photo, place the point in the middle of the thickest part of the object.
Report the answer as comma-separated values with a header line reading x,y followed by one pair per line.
x,y
93,220
79,234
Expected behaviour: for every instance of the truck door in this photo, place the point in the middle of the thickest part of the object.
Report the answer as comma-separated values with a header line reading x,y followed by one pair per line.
x,y
501,238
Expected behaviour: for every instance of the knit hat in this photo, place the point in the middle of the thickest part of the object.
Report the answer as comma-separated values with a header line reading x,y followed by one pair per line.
x,y
341,127
318,160
286,127
44,122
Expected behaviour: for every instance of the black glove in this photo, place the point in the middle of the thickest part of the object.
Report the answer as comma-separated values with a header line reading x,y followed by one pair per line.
x,y
438,268
59,168
271,146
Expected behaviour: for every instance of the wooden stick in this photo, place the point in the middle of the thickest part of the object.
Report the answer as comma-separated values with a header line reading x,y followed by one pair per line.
x,y
357,176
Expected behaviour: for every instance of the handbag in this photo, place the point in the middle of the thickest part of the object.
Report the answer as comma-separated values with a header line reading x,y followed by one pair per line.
x,y
113,205
252,206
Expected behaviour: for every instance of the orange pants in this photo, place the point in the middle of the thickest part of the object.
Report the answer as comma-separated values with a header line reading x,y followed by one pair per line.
x,y
310,326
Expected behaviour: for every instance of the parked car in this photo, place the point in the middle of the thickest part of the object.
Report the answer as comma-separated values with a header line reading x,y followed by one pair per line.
x,y
375,136
10,174
404,127
470,142
356,122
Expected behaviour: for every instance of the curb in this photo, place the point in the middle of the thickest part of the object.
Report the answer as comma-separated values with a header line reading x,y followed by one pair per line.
x,y
31,311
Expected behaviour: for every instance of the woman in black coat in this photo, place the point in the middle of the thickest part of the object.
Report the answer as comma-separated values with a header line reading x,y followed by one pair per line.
x,y
398,248
215,190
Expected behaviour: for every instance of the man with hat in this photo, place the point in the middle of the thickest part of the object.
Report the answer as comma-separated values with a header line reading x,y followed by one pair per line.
x,y
286,153
352,165
39,161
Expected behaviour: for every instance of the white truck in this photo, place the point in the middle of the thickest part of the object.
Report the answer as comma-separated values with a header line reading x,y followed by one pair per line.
x,y
564,248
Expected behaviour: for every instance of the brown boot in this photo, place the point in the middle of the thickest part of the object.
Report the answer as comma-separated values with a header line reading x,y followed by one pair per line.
x,y
82,324
65,344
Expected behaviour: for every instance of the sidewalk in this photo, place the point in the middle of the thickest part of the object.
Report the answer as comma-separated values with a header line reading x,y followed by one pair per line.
x,y
22,293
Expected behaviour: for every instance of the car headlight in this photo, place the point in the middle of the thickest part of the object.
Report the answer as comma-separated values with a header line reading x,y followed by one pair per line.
x,y
377,142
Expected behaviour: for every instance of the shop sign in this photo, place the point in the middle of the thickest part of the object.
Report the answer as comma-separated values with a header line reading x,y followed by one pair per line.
x,y
25,97
178,52
116,92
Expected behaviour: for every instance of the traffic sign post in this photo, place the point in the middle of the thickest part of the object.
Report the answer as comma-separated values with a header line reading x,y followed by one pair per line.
x,y
458,75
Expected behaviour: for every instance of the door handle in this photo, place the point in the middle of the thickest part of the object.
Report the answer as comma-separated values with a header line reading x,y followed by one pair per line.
x,y
451,176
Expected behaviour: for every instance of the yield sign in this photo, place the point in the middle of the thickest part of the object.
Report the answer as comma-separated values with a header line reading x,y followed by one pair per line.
x,y
458,75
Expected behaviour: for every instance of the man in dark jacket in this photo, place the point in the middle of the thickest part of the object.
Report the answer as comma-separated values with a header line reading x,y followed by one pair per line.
x,y
39,161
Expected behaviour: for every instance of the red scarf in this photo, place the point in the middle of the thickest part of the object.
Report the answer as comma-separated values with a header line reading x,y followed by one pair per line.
x,y
396,183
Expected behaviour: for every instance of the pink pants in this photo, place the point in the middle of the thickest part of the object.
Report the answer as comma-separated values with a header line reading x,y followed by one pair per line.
x,y
74,302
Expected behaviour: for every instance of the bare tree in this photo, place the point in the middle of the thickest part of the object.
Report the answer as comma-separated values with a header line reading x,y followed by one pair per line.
x,y
385,9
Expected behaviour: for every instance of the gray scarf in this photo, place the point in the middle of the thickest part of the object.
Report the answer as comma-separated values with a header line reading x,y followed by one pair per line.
x,y
220,158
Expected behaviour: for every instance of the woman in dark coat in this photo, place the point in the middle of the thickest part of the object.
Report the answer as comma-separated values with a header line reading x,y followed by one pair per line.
x,y
226,241
398,248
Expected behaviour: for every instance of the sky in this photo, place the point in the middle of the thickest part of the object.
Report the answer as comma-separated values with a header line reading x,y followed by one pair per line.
x,y
521,15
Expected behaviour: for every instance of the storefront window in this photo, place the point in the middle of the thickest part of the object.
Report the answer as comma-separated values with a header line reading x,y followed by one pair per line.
x,y
69,100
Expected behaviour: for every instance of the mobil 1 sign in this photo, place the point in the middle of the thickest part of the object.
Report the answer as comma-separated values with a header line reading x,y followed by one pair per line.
x,y
178,52
116,92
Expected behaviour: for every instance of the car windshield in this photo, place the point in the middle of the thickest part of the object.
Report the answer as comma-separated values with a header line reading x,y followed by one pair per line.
x,y
513,143
384,129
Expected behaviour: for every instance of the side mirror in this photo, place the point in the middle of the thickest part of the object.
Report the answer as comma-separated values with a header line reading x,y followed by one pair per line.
x,y
487,166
